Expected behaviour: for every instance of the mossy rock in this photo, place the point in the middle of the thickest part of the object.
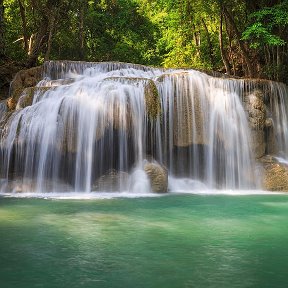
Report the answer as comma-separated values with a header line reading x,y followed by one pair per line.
x,y
275,174
24,79
112,181
152,100
158,177
27,96
11,104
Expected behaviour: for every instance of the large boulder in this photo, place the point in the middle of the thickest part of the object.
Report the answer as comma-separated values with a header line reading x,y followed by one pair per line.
x,y
23,79
274,174
158,176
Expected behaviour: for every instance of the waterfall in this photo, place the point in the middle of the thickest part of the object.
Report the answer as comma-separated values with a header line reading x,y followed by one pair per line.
x,y
206,131
93,126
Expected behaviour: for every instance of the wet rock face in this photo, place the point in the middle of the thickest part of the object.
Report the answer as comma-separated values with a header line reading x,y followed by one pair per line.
x,y
23,79
189,119
158,176
152,100
256,110
11,103
274,174
151,95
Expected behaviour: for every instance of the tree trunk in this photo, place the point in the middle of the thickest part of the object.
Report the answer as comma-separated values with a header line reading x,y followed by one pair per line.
x,y
81,31
240,42
223,53
210,46
278,61
37,44
52,21
24,25
44,35
2,42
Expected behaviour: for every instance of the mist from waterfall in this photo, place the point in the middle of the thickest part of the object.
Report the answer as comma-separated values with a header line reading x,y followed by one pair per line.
x,y
90,120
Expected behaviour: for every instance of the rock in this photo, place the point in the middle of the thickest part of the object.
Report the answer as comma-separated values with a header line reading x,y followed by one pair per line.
x,y
158,176
27,96
66,133
256,110
24,79
113,181
152,100
268,123
258,144
274,174
11,103
7,73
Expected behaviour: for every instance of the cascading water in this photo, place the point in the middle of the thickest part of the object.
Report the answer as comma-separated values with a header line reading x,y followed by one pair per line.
x,y
206,131
91,126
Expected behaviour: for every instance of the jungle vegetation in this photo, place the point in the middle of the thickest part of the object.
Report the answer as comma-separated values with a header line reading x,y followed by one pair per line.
x,y
238,37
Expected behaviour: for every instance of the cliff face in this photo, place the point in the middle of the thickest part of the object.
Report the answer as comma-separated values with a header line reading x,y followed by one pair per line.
x,y
84,120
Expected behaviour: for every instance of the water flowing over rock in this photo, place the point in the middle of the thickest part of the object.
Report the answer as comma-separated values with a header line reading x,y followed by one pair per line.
x,y
88,125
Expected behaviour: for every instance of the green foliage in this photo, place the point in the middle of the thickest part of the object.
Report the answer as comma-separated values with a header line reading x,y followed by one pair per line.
x,y
169,33
259,35
13,33
265,24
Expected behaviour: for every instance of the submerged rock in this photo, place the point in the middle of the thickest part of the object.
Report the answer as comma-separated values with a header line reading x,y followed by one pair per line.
x,y
158,176
112,181
27,185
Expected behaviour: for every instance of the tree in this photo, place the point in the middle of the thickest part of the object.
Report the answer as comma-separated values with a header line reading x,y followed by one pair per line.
x,y
2,42
239,37
267,34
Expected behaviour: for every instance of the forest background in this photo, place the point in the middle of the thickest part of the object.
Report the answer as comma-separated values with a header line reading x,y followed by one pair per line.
x,y
238,37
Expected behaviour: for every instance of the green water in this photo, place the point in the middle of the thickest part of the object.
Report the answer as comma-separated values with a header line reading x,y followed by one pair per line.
x,y
173,241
